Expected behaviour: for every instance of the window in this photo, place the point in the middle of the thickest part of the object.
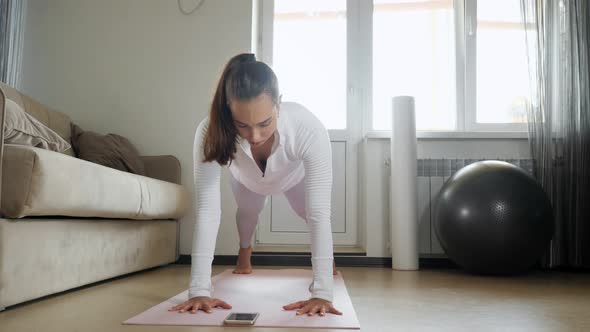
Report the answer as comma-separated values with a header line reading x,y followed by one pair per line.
x,y
309,53
414,55
464,61
502,69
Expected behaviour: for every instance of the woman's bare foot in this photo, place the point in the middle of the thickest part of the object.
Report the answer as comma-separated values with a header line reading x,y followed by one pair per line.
x,y
334,269
244,266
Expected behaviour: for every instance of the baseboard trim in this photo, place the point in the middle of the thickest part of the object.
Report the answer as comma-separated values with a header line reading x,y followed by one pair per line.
x,y
299,259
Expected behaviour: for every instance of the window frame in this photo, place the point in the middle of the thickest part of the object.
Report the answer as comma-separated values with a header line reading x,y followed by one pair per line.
x,y
359,86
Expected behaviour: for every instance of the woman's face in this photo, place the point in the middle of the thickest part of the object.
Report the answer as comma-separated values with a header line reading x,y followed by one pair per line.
x,y
255,119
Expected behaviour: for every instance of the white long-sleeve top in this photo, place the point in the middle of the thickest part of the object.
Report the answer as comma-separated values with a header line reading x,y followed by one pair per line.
x,y
301,150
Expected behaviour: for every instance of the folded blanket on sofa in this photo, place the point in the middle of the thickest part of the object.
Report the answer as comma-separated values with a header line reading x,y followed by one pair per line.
x,y
23,129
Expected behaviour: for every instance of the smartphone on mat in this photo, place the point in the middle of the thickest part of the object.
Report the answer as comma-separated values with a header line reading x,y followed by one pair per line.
x,y
241,318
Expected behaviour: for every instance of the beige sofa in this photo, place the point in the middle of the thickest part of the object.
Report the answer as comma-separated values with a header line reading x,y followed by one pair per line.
x,y
67,222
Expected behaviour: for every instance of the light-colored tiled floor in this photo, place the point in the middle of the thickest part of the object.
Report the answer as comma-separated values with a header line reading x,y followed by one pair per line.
x,y
385,300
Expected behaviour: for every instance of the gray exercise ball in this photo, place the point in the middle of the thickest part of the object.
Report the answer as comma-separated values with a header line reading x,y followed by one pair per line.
x,y
492,217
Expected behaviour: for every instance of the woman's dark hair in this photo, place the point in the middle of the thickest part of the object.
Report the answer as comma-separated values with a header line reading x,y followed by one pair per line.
x,y
243,78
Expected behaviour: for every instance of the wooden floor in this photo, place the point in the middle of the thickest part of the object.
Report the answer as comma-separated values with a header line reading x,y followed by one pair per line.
x,y
385,300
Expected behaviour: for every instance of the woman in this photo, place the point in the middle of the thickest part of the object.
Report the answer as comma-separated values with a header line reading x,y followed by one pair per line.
x,y
270,148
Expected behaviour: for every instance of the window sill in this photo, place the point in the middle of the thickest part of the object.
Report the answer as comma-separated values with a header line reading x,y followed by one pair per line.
x,y
453,135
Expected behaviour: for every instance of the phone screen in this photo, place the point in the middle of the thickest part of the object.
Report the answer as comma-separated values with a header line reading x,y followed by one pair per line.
x,y
241,316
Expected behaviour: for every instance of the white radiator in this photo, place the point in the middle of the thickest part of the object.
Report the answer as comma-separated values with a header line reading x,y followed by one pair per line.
x,y
432,174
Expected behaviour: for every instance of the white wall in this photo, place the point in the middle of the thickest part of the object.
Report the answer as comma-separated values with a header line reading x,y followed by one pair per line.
x,y
138,68
142,69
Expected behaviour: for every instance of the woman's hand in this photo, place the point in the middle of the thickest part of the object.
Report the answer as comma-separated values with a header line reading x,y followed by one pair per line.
x,y
313,306
197,303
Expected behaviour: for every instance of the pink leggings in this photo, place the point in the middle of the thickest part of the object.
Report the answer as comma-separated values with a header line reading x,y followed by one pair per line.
x,y
250,204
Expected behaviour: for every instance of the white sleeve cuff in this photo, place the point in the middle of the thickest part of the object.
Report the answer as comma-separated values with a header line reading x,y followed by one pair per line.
x,y
197,292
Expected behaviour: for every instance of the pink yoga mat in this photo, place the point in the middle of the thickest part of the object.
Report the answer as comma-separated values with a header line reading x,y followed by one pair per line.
x,y
263,291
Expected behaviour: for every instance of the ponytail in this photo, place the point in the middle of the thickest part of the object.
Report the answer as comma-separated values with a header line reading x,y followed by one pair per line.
x,y
221,137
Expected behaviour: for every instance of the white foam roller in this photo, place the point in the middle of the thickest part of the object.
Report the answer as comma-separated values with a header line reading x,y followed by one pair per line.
x,y
404,197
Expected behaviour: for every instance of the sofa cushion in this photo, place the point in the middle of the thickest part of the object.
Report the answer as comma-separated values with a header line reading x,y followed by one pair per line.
x,y
22,128
38,182
110,150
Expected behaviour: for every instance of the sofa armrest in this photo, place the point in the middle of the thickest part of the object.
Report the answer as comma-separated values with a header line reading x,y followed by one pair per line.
x,y
165,168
